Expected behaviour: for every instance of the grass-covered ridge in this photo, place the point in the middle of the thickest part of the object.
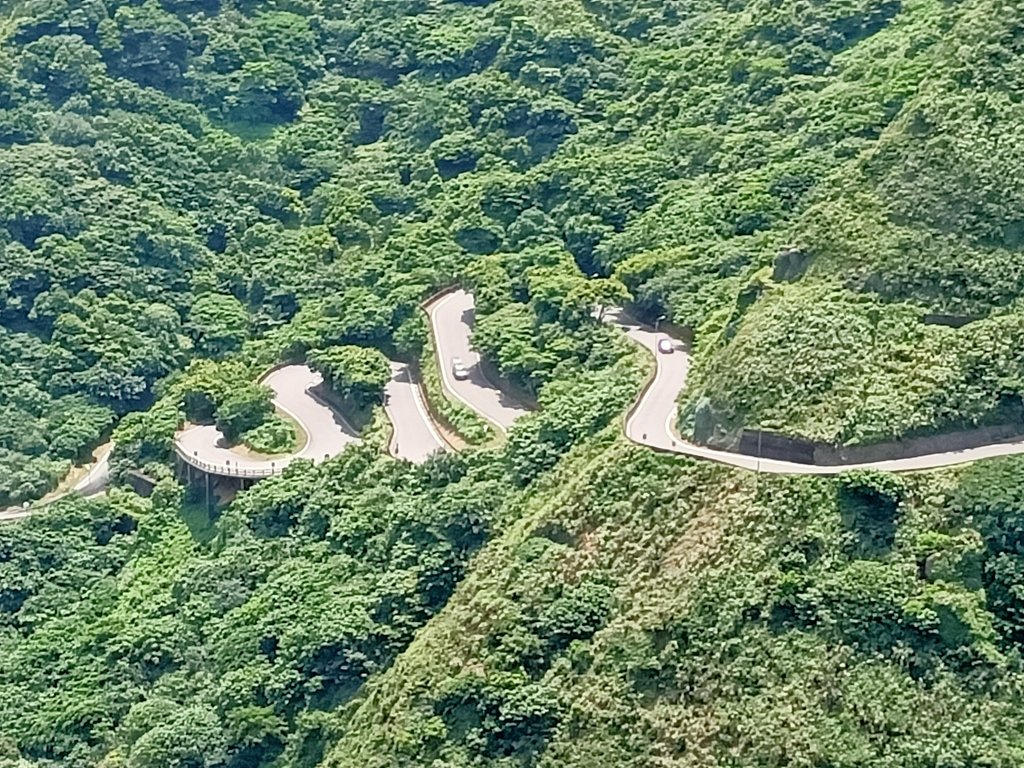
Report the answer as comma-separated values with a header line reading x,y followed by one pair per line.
x,y
644,609
918,224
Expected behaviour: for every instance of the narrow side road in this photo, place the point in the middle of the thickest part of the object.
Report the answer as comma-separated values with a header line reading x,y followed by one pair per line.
x,y
652,422
451,320
17,513
98,478
93,484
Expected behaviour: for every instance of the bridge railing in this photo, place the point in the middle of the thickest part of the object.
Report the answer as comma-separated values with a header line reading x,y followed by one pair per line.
x,y
228,469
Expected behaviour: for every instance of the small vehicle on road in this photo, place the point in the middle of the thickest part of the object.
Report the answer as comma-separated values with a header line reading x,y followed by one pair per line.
x,y
459,369
665,346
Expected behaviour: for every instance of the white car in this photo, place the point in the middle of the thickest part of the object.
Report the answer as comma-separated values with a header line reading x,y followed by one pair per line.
x,y
459,369
665,346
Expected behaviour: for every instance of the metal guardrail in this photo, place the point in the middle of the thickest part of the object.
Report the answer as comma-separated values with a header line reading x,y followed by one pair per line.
x,y
227,469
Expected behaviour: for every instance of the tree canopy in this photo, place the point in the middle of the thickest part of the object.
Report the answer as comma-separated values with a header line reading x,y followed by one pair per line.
x,y
358,374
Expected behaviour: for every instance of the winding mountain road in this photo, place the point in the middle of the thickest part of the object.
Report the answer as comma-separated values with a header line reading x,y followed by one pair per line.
x,y
327,434
652,421
451,319
415,436
96,481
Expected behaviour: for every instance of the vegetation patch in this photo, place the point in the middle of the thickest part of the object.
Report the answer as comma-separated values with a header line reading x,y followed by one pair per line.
x,y
275,437
194,191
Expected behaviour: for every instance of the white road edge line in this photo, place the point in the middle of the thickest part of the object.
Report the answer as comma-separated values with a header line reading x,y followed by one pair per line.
x,y
417,399
103,461
302,424
444,368
753,463
668,426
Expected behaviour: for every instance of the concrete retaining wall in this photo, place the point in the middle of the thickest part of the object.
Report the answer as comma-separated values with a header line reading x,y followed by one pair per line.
x,y
771,445
141,483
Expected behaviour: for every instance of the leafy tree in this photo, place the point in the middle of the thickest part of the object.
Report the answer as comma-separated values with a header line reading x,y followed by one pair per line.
x,y
189,736
508,337
63,65
358,374
266,91
992,494
275,436
243,409
219,324
153,46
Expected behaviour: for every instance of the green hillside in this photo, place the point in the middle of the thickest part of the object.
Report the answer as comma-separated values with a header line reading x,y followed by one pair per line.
x,y
827,192
644,611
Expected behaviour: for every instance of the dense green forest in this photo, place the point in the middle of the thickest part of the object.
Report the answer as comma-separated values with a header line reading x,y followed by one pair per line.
x,y
827,192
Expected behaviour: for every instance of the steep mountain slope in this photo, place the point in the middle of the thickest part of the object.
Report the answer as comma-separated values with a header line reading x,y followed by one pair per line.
x,y
850,338
651,611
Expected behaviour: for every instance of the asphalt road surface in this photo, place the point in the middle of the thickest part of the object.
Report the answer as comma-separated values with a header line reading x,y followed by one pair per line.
x,y
653,420
17,513
327,433
415,436
93,484
451,318
96,481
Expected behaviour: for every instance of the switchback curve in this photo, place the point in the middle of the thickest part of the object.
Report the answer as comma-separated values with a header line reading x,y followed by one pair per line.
x,y
652,420
451,322
415,437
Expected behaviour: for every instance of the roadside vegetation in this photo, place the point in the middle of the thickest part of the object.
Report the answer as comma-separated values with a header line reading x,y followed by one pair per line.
x,y
463,421
827,193
275,437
